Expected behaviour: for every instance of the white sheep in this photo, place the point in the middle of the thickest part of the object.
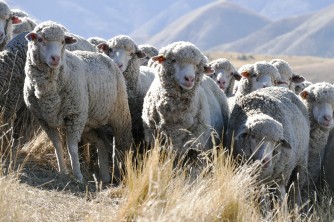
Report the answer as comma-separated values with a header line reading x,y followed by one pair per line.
x,y
125,53
287,78
78,91
179,104
27,24
271,125
301,86
149,51
7,19
96,40
225,75
319,100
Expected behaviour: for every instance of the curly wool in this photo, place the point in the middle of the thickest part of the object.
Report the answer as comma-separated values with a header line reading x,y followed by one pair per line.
x,y
226,65
86,92
255,70
182,115
284,70
317,93
287,109
265,126
138,80
6,13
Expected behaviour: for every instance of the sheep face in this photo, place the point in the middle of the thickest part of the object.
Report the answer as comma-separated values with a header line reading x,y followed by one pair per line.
x,y
4,22
260,138
259,82
323,114
50,51
301,86
222,78
319,99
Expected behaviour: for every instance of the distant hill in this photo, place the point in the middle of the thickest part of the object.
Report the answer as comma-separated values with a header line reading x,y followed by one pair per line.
x,y
212,24
305,35
278,9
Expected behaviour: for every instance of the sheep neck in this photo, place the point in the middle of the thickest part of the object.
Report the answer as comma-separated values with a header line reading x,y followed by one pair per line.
x,y
131,75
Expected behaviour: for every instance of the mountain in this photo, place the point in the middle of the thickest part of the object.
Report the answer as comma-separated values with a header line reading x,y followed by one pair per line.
x,y
278,9
165,17
209,25
256,39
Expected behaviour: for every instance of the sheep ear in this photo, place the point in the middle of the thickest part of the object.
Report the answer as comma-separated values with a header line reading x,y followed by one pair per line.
x,y
297,78
16,20
140,54
208,70
237,76
31,36
245,74
102,47
304,94
159,58
285,144
70,40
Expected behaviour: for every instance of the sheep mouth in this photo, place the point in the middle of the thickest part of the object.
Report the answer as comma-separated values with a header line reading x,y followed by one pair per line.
x,y
187,85
326,124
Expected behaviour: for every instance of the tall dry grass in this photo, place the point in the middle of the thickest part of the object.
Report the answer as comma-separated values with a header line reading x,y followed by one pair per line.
x,y
157,187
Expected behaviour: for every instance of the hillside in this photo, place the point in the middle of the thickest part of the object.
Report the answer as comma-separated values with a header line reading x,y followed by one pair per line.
x,y
212,24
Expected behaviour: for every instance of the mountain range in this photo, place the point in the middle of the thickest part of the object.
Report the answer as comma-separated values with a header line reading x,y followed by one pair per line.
x,y
292,27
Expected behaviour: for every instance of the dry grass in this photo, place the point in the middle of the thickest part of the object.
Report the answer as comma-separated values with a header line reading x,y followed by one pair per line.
x,y
157,188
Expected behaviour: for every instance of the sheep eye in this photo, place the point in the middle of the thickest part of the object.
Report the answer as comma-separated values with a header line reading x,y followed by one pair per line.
x,y
173,60
39,39
63,42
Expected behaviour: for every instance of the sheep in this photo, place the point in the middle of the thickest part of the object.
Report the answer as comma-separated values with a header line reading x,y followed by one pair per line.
x,y
301,86
82,44
224,75
7,20
96,40
254,76
271,125
78,91
319,100
179,104
125,53
287,78
149,51
27,24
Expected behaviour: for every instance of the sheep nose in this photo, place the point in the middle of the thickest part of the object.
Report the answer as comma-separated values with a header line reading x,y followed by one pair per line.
x,y
189,78
327,117
55,59
2,35
221,82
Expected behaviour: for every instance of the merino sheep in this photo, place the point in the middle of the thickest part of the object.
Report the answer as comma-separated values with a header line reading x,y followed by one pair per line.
x,y
225,75
287,78
179,104
319,100
125,53
149,51
79,91
7,19
271,125
27,24
301,86
96,40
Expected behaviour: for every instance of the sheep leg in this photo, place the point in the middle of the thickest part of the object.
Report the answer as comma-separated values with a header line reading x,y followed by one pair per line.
x,y
73,136
54,136
95,137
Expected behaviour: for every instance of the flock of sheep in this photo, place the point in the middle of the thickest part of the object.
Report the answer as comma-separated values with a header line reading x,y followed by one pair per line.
x,y
95,90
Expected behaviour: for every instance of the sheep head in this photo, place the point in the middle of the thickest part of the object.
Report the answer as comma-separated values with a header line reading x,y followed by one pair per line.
x,y
319,99
49,39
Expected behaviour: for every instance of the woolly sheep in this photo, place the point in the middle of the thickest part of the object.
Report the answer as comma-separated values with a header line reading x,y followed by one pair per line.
x,y
301,86
319,100
7,19
179,104
287,78
271,125
149,51
78,91
224,75
27,24
96,40
125,53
